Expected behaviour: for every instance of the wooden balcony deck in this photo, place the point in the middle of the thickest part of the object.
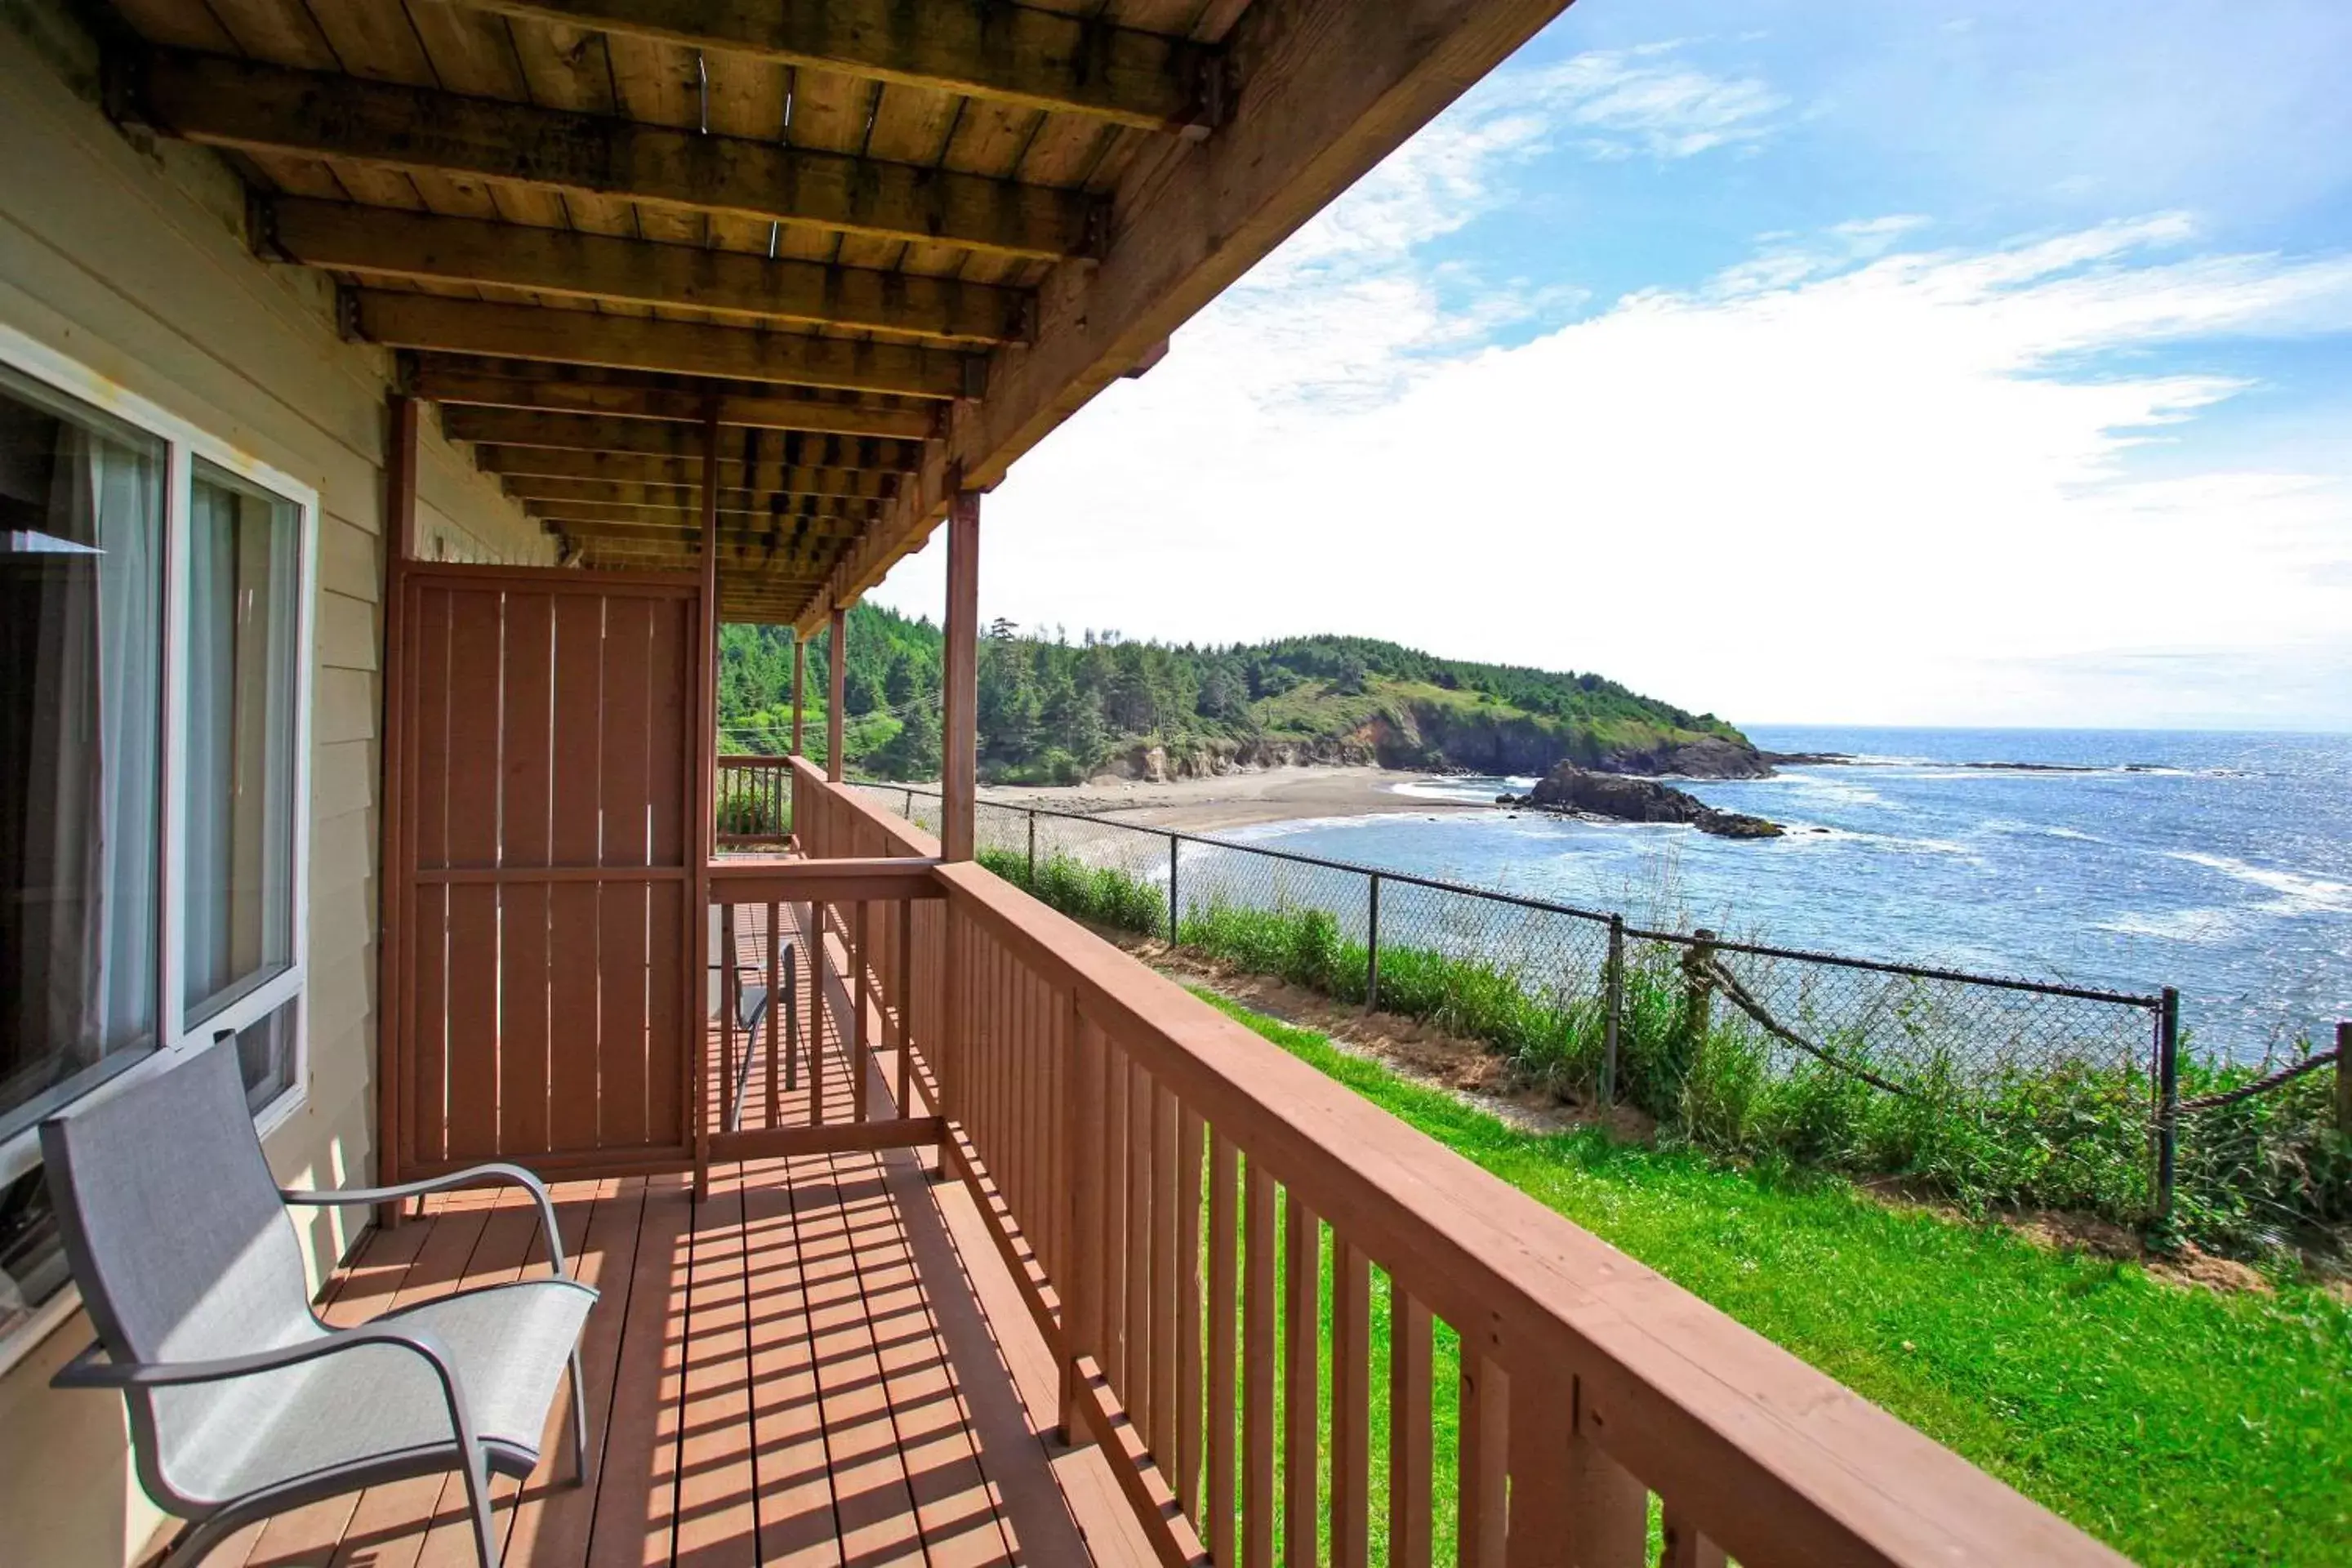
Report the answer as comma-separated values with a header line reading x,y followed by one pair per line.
x,y
824,1362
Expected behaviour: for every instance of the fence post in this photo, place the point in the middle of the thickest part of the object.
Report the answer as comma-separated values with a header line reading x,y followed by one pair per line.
x,y
1033,847
1613,990
2343,1077
1172,906
1372,949
910,806
2167,1091
1698,991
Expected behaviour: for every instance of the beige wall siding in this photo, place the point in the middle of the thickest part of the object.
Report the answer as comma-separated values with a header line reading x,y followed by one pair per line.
x,y
129,258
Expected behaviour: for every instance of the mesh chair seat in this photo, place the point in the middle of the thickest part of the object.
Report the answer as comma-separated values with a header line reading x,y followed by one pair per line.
x,y
510,1344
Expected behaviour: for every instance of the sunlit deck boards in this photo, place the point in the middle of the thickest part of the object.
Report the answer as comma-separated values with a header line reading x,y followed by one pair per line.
x,y
806,1368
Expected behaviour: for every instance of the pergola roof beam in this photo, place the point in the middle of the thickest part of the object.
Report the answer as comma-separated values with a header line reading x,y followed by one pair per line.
x,y
648,437
632,343
1014,54
528,466
455,381
261,107
384,242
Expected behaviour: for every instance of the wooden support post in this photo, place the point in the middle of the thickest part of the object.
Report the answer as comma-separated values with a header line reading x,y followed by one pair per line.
x,y
799,675
392,865
959,749
836,670
2344,1077
706,844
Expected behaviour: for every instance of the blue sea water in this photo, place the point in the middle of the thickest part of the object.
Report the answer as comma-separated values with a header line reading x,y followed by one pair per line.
x,y
2218,863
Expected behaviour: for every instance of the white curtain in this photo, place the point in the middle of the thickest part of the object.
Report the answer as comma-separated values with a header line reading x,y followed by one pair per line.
x,y
100,672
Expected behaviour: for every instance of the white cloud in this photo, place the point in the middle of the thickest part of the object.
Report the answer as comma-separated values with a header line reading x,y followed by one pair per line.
x,y
1842,480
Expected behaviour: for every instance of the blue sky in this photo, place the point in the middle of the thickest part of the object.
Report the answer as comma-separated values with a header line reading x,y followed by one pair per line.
x,y
1861,361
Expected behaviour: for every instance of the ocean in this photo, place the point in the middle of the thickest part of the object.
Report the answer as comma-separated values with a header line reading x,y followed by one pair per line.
x,y
2218,863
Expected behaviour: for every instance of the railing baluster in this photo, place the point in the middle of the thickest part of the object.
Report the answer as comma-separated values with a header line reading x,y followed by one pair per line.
x,y
1136,1391
780,1007
1165,1263
1225,1171
1258,1371
1411,1450
1189,1136
1114,1252
1351,1410
1610,1509
861,956
1481,1487
1686,1547
1301,1409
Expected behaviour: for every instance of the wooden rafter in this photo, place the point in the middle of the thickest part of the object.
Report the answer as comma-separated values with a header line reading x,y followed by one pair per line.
x,y
528,466
456,381
838,484
632,343
1325,88
1014,54
831,517
384,242
647,437
263,107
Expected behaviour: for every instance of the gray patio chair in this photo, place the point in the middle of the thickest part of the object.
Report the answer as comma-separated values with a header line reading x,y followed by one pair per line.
x,y
243,1404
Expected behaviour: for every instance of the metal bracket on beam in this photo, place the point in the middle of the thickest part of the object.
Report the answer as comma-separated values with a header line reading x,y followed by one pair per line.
x,y
975,377
122,88
261,227
1096,243
347,314
1216,89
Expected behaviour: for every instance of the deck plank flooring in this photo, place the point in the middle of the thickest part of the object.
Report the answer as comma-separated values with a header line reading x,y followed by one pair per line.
x,y
811,1367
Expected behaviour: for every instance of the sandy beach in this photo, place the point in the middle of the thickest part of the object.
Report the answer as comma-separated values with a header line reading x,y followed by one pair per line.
x,y
1235,800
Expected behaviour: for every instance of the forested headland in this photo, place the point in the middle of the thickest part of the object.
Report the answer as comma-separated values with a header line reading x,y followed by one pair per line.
x,y
1053,710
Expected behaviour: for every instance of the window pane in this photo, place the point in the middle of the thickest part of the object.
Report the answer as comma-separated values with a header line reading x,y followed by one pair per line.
x,y
264,1050
242,553
32,1261
81,627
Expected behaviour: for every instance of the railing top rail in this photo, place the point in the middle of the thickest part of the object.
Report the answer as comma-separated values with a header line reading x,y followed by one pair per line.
x,y
826,881
1775,1461
2149,1000
745,760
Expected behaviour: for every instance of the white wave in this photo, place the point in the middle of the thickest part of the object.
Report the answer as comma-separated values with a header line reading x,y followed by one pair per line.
x,y
2015,828
2207,927
2299,893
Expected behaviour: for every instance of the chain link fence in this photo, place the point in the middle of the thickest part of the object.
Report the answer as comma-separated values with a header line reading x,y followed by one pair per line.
x,y
2075,1093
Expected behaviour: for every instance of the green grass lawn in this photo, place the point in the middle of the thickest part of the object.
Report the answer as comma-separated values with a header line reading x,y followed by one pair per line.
x,y
2180,1426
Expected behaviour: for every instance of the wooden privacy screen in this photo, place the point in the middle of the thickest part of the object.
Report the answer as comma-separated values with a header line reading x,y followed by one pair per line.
x,y
546,819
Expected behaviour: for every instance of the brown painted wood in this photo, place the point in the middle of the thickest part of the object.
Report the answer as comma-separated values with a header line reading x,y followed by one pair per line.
x,y
428,322
1135,1390
1189,1136
1258,1370
836,665
1223,1412
526,974
1482,1487
1655,1363
1031,59
1685,1546
1607,1509
799,675
1411,1449
1546,1525
959,743
1166,1231
263,109
1351,1418
824,434
1302,1281
392,1074
380,242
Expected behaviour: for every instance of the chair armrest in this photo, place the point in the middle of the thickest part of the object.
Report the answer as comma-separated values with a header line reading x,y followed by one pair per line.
x,y
469,1177
88,1371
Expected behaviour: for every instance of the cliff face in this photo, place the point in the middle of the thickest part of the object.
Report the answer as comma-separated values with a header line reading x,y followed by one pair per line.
x,y
1449,738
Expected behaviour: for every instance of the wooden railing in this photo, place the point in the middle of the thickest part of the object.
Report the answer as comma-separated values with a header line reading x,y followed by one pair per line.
x,y
754,808
1176,1197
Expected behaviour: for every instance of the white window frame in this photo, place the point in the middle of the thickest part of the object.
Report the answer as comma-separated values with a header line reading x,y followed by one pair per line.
x,y
176,1040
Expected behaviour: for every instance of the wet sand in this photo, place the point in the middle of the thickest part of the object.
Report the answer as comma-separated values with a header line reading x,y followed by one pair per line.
x,y
1235,800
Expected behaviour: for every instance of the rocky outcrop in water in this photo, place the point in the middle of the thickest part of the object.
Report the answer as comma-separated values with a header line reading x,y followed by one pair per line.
x,y
1616,797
